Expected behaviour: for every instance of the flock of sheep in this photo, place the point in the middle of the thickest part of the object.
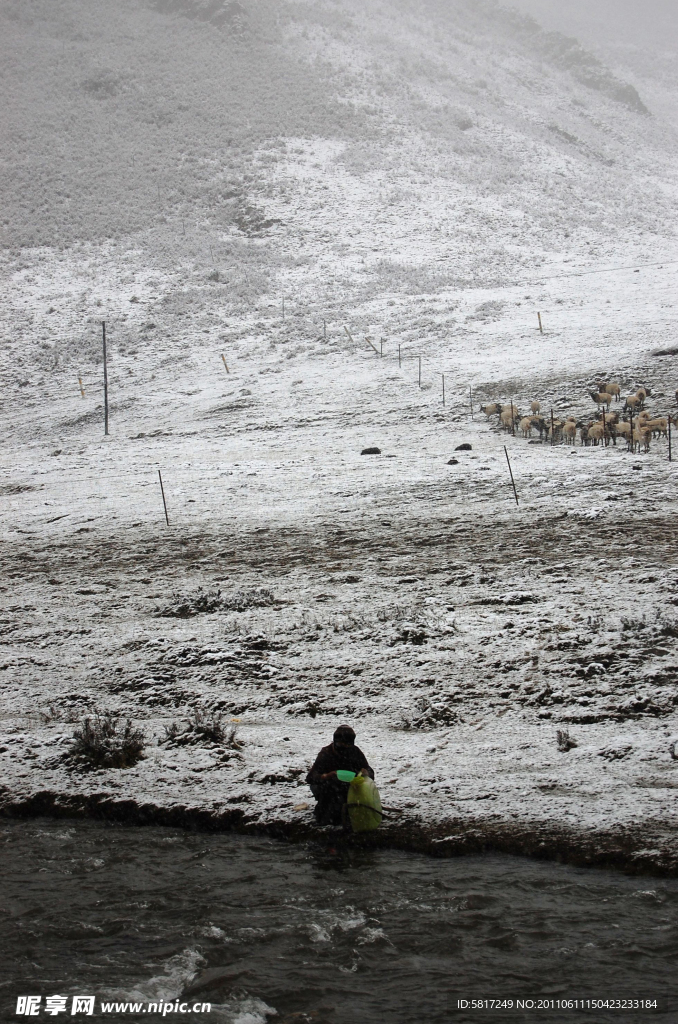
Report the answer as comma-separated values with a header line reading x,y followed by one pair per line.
x,y
634,424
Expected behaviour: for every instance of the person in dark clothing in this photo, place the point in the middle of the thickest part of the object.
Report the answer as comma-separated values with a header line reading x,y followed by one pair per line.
x,y
329,791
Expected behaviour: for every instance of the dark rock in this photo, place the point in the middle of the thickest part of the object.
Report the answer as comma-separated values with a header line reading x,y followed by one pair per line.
x,y
371,451
453,462
214,979
465,447
636,467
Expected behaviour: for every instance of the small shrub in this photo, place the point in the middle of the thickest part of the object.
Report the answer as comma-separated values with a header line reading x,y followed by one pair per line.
x,y
184,606
565,741
52,714
203,727
241,600
102,742
208,726
429,714
171,733
629,622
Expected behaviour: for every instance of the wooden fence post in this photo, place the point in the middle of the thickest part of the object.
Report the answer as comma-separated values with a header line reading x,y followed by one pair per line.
x,y
164,503
103,325
669,436
513,483
541,329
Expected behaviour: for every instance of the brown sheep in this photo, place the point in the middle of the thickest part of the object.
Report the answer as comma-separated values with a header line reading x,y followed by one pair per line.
x,y
658,426
596,432
526,426
535,407
556,430
491,410
507,418
612,389
632,402
622,429
601,398
570,431
641,435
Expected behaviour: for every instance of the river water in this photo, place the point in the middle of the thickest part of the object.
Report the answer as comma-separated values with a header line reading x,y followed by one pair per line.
x,y
321,933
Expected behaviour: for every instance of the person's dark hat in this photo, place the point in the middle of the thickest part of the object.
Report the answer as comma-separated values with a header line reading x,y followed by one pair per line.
x,y
344,734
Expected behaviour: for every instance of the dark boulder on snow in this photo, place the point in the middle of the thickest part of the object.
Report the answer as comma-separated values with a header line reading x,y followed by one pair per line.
x,y
465,447
453,462
371,451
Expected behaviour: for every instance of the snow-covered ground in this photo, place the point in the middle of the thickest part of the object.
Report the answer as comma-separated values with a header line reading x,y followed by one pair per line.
x,y
442,177
456,631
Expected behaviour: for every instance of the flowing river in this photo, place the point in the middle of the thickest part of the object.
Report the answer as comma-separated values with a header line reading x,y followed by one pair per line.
x,y
324,934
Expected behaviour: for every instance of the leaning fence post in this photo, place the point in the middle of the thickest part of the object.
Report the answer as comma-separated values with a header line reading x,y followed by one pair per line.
x,y
82,390
513,422
223,359
515,493
604,434
164,503
541,329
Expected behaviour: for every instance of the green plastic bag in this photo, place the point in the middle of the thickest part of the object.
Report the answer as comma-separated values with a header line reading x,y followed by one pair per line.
x,y
364,804
345,776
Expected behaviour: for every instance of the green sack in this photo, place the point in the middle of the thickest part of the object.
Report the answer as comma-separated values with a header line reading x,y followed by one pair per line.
x,y
364,805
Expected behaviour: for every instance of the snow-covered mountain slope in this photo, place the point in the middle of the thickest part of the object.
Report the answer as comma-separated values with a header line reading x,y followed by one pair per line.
x,y
430,174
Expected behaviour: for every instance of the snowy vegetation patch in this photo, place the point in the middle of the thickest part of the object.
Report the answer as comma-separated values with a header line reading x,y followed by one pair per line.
x,y
184,606
204,727
103,741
